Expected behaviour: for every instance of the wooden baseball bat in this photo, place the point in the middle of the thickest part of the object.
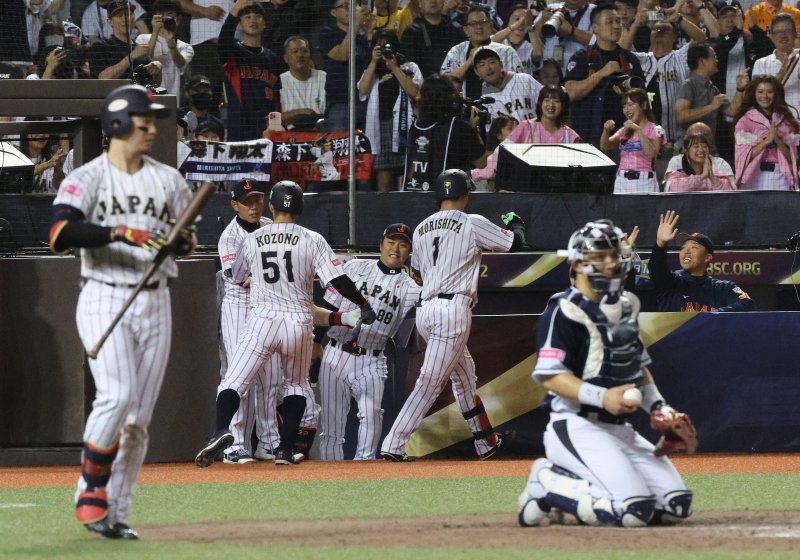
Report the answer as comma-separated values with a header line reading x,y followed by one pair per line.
x,y
201,198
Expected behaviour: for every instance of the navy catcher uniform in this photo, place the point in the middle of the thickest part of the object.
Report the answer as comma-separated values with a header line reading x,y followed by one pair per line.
x,y
447,253
358,368
283,258
590,355
112,208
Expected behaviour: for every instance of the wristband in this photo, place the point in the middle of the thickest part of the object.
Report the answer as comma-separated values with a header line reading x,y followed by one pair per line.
x,y
335,319
591,395
651,397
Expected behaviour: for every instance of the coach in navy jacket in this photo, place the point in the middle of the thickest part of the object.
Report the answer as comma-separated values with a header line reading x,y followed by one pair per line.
x,y
692,288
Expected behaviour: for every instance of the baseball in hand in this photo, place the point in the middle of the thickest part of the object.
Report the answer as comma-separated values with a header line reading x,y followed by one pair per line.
x,y
633,397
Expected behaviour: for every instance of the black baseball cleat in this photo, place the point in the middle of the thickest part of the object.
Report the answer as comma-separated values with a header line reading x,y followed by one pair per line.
x,y
217,443
116,531
397,457
493,451
284,457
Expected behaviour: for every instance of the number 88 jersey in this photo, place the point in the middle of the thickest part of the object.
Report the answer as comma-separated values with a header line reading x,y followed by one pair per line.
x,y
283,259
391,293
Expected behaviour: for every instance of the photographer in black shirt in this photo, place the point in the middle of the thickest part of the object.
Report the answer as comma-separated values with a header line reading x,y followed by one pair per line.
x,y
440,139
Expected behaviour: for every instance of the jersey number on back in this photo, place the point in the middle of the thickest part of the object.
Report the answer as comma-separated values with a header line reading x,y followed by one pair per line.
x,y
272,272
435,250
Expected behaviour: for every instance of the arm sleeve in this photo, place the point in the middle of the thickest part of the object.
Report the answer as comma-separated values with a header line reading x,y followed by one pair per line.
x,y
660,274
241,266
577,68
348,289
227,42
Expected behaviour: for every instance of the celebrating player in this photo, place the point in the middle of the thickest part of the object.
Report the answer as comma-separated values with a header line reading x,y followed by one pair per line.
x,y
358,369
590,357
282,257
115,209
447,253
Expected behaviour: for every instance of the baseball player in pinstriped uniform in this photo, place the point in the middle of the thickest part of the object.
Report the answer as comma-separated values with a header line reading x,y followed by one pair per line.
x,y
598,468
283,258
112,208
514,93
247,200
447,253
259,406
358,369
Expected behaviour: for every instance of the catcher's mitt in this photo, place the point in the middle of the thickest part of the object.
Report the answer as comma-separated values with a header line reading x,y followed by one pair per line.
x,y
678,432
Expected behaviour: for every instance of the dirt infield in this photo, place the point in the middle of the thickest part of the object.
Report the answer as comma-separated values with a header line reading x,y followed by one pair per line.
x,y
187,473
705,530
729,531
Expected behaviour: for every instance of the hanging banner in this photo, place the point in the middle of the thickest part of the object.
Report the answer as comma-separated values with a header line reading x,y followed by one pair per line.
x,y
228,161
306,157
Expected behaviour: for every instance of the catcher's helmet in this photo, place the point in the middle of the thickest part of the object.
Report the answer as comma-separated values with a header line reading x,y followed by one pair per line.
x,y
452,184
597,236
125,101
286,196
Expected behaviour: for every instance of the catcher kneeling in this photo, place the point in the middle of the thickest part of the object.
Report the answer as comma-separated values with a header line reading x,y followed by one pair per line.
x,y
598,468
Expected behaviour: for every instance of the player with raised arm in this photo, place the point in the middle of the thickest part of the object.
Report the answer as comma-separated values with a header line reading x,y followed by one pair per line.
x,y
116,209
282,258
447,252
593,362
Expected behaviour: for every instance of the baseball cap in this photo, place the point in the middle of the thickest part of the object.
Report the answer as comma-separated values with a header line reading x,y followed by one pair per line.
x,y
703,240
116,5
483,53
246,188
209,125
722,5
198,80
397,230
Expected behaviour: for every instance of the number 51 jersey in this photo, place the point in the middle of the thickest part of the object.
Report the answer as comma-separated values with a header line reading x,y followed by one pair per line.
x,y
283,259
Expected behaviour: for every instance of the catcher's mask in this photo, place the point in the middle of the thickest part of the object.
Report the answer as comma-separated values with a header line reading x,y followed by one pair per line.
x,y
595,237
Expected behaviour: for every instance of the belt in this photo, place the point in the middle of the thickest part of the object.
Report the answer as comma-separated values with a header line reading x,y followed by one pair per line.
x,y
767,166
633,175
353,349
603,416
446,296
151,286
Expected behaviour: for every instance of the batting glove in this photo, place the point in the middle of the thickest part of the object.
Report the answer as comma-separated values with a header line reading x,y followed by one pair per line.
x,y
511,219
150,240
367,314
351,318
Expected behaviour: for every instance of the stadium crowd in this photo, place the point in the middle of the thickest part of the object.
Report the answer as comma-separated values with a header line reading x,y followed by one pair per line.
x,y
631,77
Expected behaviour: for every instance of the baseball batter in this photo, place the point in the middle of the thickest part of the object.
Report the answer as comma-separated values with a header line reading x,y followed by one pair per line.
x,y
282,258
114,209
447,253
590,355
357,369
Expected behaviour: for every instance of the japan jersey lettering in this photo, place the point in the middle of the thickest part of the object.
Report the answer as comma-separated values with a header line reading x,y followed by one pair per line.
x,y
108,196
391,296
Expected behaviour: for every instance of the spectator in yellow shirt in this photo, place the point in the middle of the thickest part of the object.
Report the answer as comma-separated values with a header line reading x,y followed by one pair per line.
x,y
389,16
761,15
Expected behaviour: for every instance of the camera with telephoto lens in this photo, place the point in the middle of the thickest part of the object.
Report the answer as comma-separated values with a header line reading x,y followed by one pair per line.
x,y
170,24
464,110
626,82
552,25
143,78
387,50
